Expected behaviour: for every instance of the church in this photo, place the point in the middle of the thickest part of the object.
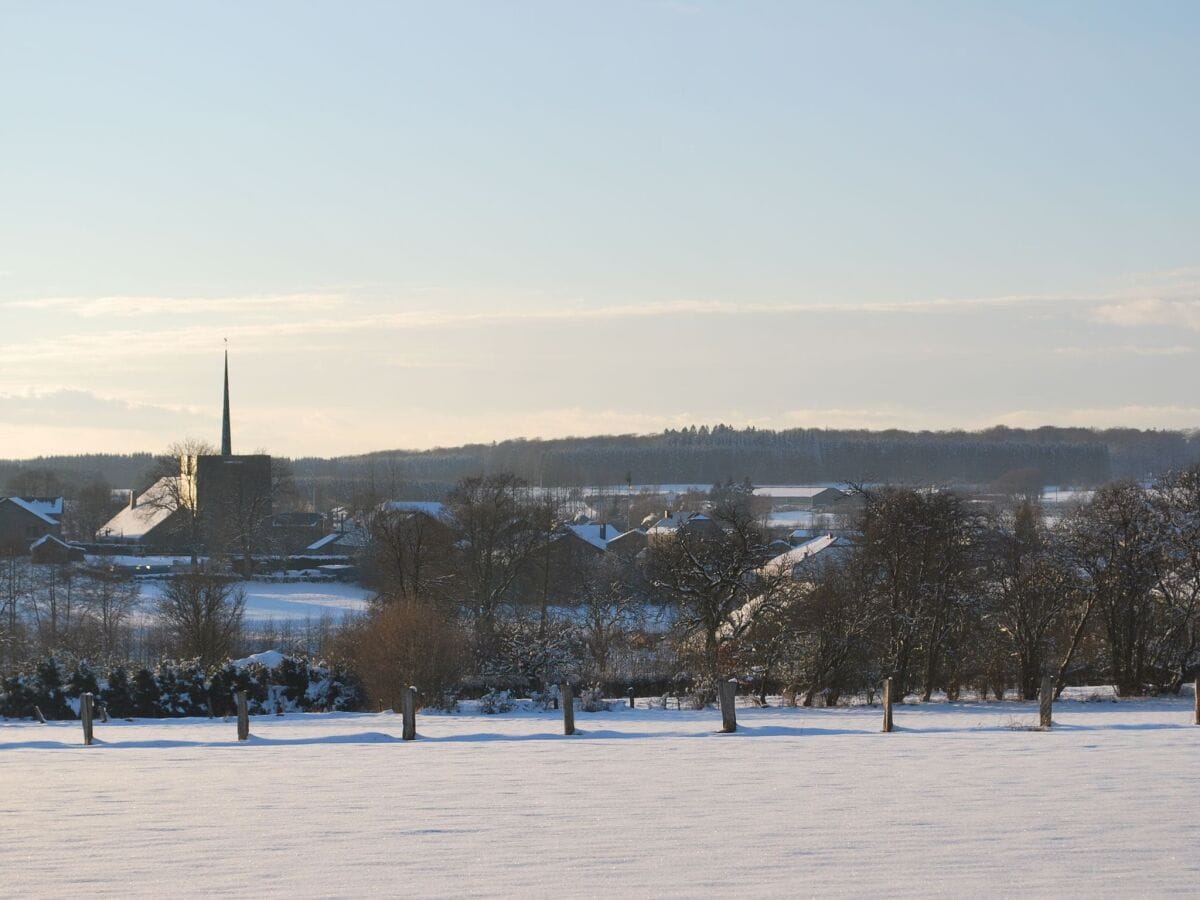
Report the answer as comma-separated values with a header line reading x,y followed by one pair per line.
x,y
219,504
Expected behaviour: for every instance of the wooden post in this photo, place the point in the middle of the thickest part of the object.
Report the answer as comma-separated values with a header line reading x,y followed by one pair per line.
x,y
887,704
568,705
1198,700
1046,702
104,713
727,692
243,710
408,707
37,711
85,714
629,691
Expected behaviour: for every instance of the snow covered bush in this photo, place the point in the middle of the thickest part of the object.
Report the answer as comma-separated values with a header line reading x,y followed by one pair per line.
x,y
496,702
530,656
592,700
182,688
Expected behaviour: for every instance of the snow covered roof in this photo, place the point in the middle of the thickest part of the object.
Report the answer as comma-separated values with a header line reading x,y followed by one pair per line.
x,y
153,507
427,507
348,541
49,539
323,542
676,520
598,534
785,563
793,491
38,506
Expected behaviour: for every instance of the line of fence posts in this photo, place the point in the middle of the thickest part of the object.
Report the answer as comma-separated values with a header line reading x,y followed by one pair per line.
x,y
408,708
85,716
243,717
727,692
1046,703
887,705
568,707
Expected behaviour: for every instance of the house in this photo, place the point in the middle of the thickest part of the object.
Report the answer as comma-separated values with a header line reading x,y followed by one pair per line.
x,y
152,518
800,563
595,535
628,544
25,519
341,543
49,550
673,523
293,531
801,496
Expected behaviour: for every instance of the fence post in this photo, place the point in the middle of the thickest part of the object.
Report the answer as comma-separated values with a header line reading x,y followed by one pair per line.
x,y
408,706
1198,699
243,710
727,691
85,714
37,711
1046,702
629,691
887,704
568,705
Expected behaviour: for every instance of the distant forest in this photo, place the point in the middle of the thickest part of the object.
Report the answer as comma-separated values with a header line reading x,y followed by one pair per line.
x,y
1066,456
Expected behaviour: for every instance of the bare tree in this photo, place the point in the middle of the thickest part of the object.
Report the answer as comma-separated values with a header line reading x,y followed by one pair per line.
x,y
110,597
708,575
1176,648
1113,542
1031,591
500,529
175,494
411,555
203,613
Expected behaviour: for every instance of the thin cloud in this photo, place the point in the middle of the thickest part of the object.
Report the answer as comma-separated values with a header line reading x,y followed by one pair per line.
x,y
1124,350
1151,311
130,306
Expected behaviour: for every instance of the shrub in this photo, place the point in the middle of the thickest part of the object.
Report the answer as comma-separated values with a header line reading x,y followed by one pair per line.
x,y
496,702
406,643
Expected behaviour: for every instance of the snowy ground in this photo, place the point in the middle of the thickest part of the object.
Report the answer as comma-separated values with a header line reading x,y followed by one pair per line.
x,y
291,601
959,801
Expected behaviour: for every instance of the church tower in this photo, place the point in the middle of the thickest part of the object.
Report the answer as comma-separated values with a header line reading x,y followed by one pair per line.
x,y
226,440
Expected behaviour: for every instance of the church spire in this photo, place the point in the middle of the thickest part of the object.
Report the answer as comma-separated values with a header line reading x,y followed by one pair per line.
x,y
226,441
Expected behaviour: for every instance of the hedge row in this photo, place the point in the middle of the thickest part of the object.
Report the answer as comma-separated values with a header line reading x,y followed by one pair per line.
x,y
178,688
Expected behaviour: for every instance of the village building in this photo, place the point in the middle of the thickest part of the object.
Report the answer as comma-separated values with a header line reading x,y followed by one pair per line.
x,y
224,500
23,520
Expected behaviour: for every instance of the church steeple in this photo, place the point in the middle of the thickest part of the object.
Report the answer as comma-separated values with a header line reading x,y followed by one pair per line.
x,y
226,440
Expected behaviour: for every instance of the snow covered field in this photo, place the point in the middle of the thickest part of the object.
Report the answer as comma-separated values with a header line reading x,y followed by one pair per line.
x,y
959,801
295,601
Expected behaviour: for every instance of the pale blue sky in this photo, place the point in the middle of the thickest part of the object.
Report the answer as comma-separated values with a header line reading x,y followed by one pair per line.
x,y
428,223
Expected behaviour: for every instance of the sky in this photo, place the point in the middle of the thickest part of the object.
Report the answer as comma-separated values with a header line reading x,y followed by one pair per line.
x,y
421,224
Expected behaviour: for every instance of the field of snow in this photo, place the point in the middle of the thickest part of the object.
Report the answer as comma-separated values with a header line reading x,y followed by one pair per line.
x,y
295,601
961,800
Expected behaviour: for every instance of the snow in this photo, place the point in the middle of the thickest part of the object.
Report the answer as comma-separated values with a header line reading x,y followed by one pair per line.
x,y
270,659
957,802
38,508
430,508
154,506
786,563
288,600
793,491
598,534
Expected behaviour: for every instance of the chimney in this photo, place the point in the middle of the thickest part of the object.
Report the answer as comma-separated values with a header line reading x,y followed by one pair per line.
x,y
133,498
604,531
